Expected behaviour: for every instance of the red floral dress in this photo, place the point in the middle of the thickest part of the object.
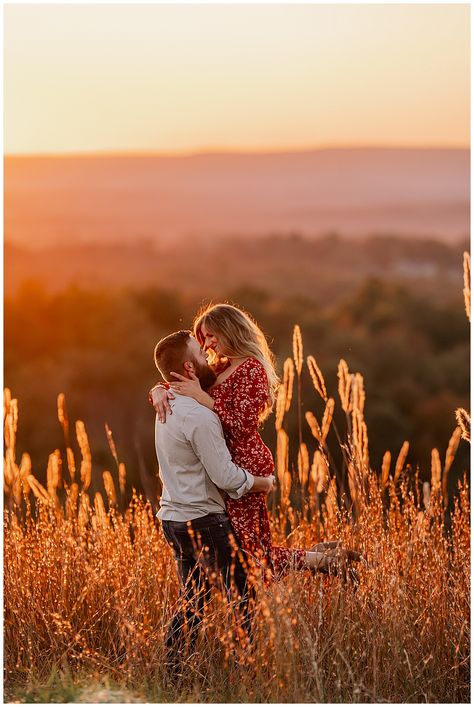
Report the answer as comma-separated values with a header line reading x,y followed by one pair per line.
x,y
238,401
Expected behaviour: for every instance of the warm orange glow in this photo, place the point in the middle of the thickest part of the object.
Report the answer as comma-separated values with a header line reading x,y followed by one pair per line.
x,y
180,77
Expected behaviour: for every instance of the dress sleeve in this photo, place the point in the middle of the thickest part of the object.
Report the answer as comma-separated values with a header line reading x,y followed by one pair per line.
x,y
240,409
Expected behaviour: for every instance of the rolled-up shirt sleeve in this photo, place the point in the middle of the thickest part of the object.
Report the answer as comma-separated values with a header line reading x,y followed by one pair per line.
x,y
204,431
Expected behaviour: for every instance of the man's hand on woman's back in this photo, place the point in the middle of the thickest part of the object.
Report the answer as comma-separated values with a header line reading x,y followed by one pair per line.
x,y
263,484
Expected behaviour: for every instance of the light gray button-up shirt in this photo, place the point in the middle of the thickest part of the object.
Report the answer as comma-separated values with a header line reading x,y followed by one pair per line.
x,y
195,463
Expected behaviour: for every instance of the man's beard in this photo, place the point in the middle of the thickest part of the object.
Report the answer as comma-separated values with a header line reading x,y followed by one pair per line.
x,y
206,375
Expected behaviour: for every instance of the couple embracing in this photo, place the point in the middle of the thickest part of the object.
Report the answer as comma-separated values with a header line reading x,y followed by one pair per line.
x,y
220,385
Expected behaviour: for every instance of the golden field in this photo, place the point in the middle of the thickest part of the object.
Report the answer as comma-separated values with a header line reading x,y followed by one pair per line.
x,y
89,582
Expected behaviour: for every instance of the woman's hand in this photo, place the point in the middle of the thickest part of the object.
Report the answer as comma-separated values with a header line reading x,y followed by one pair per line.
x,y
187,386
158,397
192,388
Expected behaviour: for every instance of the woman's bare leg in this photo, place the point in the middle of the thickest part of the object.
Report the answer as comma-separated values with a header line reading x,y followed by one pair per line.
x,y
321,547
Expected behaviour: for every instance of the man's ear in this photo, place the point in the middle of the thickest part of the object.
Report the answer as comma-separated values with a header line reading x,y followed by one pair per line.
x,y
189,367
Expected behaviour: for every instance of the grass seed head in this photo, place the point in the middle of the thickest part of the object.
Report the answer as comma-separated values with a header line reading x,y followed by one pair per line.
x,y
7,396
282,455
358,392
453,445
38,490
122,478
464,421
435,471
387,458
110,440
303,464
288,381
344,385
109,488
100,512
280,406
426,495
400,463
62,414
83,440
467,283
327,419
321,471
71,463
317,377
331,504
298,349
314,426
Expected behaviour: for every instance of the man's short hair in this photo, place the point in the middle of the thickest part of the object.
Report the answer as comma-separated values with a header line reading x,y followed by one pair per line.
x,y
171,352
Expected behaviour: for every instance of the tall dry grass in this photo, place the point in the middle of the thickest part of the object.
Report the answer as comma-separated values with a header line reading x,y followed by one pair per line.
x,y
90,583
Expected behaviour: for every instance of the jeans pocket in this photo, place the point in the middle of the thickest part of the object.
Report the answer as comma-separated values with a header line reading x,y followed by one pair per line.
x,y
225,534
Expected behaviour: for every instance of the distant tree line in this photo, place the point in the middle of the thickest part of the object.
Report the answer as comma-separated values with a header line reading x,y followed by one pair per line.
x,y
96,346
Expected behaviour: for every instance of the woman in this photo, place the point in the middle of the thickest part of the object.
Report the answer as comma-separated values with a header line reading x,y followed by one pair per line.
x,y
243,396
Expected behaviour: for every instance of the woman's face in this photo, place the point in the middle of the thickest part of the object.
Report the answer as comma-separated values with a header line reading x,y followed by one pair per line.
x,y
211,340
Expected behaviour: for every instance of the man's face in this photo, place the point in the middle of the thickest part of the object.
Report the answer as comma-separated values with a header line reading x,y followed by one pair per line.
x,y
201,368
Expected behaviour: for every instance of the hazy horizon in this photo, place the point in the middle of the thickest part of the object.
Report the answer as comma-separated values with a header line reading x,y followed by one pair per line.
x,y
109,198
216,150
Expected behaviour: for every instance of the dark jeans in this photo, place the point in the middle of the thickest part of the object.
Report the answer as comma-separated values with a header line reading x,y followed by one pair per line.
x,y
206,553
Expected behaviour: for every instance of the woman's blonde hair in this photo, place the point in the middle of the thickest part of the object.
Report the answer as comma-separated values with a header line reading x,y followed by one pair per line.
x,y
239,335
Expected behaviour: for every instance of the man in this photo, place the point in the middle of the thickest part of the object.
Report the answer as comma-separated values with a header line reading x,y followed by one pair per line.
x,y
195,464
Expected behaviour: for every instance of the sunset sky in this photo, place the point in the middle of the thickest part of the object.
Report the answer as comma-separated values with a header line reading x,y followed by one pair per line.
x,y
171,78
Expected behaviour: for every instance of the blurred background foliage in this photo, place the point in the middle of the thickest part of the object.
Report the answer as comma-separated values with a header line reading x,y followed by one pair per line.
x,y
392,308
